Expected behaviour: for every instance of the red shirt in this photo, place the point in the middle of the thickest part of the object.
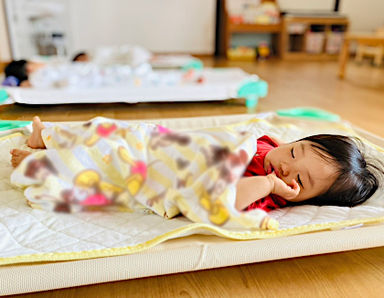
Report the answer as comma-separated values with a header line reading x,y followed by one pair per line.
x,y
256,168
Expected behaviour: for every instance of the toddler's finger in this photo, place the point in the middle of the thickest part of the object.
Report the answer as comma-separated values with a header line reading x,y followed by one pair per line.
x,y
295,185
294,190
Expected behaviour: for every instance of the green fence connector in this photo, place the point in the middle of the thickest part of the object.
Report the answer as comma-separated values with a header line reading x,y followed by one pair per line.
x,y
252,90
3,95
259,88
10,124
309,113
193,64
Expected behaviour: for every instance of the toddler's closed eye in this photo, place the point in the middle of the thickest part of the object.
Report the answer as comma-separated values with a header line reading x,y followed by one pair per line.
x,y
299,181
292,153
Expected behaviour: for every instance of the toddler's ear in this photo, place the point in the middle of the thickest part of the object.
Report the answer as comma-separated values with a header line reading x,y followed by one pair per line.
x,y
278,141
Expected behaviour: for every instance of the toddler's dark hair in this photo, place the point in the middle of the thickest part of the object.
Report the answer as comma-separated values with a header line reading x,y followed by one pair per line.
x,y
17,69
78,56
356,181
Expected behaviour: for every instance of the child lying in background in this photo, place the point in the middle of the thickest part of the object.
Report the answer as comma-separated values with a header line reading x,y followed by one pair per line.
x,y
82,74
108,66
319,170
86,75
17,72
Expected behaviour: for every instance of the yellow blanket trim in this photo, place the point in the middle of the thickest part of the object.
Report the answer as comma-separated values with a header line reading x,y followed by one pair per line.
x,y
13,135
248,235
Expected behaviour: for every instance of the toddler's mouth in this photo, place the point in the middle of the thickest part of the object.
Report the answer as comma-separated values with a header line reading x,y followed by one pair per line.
x,y
270,169
273,169
277,173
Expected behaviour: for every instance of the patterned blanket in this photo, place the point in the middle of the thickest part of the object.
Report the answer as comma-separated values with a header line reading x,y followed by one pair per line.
x,y
106,164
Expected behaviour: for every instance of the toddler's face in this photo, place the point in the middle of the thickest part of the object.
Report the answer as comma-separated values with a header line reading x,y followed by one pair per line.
x,y
32,66
300,161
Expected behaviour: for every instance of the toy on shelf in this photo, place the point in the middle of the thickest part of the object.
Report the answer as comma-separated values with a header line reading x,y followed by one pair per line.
x,y
241,53
253,12
236,19
267,13
263,51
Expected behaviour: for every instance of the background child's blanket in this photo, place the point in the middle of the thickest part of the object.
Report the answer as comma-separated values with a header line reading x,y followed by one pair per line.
x,y
157,86
111,165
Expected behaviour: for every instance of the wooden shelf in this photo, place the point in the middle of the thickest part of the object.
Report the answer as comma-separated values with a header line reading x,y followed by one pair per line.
x,y
317,20
281,37
226,29
326,22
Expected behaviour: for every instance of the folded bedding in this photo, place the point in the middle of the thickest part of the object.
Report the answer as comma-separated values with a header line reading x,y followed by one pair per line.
x,y
145,86
161,172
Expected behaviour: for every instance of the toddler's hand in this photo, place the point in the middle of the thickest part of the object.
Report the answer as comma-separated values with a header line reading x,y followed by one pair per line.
x,y
280,188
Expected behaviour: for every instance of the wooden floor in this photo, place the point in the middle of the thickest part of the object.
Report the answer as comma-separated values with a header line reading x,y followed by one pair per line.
x,y
359,98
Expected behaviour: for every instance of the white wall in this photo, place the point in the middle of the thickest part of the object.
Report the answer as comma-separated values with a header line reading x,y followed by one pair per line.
x,y
182,25
172,25
158,25
364,15
5,51
306,4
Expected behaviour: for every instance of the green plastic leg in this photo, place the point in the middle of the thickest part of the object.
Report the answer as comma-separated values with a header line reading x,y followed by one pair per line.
x,y
252,90
251,101
3,95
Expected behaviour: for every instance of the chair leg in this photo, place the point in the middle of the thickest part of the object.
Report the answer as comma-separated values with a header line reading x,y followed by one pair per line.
x,y
359,54
378,60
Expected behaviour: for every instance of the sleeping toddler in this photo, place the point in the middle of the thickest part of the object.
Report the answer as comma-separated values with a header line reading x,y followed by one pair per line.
x,y
320,170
